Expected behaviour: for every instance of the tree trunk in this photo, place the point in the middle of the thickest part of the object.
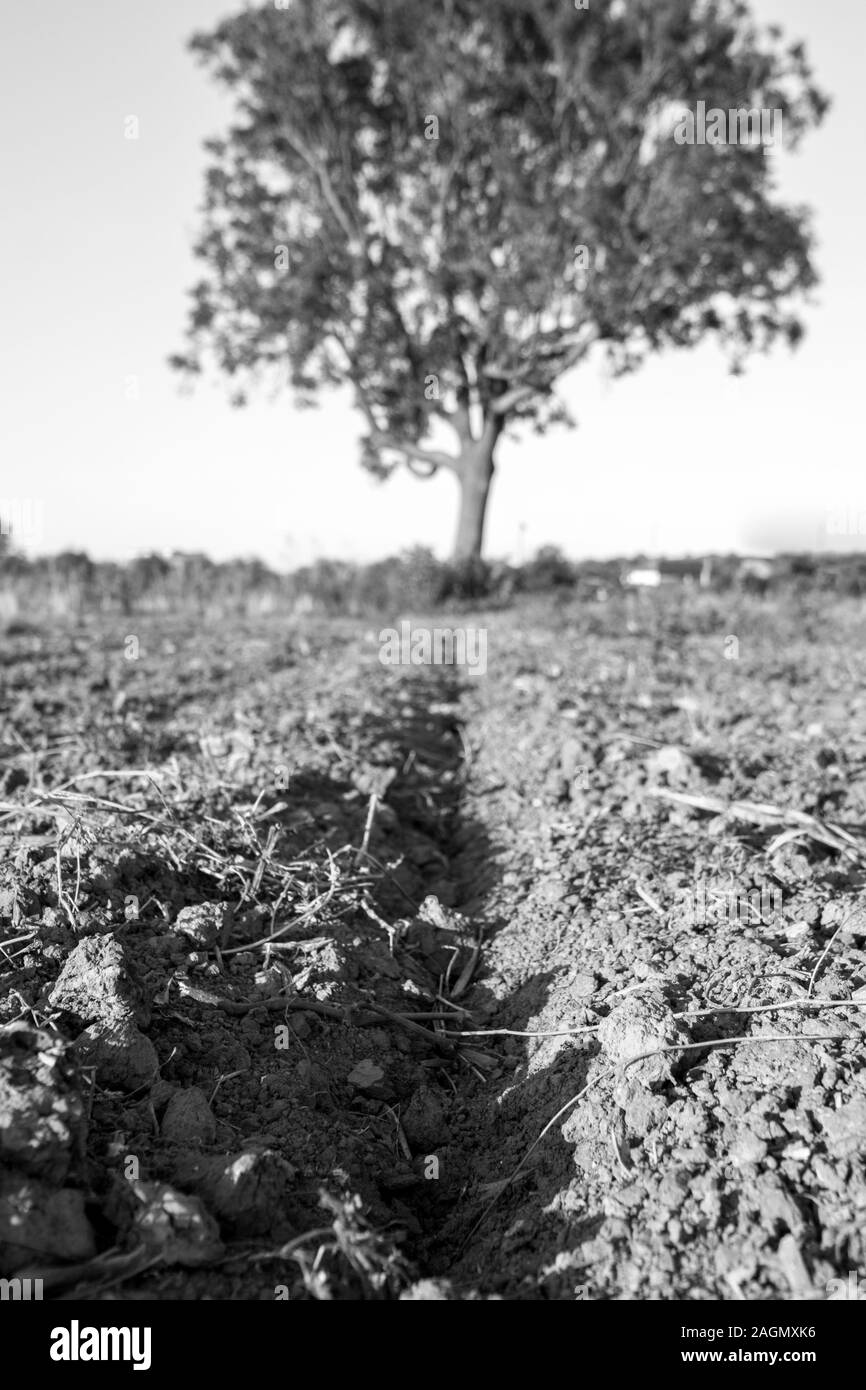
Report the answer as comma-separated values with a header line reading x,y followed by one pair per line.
x,y
475,476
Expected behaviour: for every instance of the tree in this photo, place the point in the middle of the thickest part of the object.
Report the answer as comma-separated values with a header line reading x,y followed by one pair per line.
x,y
446,205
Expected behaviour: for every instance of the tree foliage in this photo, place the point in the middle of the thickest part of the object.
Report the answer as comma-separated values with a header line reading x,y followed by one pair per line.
x,y
431,170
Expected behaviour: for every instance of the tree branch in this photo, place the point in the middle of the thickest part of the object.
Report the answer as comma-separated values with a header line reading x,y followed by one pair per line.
x,y
328,191
432,459
505,404
537,378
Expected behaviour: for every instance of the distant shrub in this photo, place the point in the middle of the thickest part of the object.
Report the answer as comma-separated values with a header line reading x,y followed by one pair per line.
x,y
327,583
549,569
466,582
411,580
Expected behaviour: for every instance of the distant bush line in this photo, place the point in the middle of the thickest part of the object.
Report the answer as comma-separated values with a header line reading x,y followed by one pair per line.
x,y
73,585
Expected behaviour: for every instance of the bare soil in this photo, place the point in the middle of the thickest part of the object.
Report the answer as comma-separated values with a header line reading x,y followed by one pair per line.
x,y
326,979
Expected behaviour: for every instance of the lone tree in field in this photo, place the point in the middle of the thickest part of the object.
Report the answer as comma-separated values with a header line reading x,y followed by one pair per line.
x,y
446,203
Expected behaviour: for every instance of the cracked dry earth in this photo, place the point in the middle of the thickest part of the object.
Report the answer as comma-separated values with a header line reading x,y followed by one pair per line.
x,y
325,979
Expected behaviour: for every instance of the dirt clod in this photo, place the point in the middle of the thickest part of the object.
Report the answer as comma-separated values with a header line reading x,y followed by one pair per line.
x,y
40,1224
188,1118
96,983
122,1057
203,923
42,1112
175,1226
640,1024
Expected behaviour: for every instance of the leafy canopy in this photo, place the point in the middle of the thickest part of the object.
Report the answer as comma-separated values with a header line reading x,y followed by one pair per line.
x,y
430,170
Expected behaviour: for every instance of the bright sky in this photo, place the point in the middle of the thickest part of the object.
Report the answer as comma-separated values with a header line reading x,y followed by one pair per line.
x,y
95,244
